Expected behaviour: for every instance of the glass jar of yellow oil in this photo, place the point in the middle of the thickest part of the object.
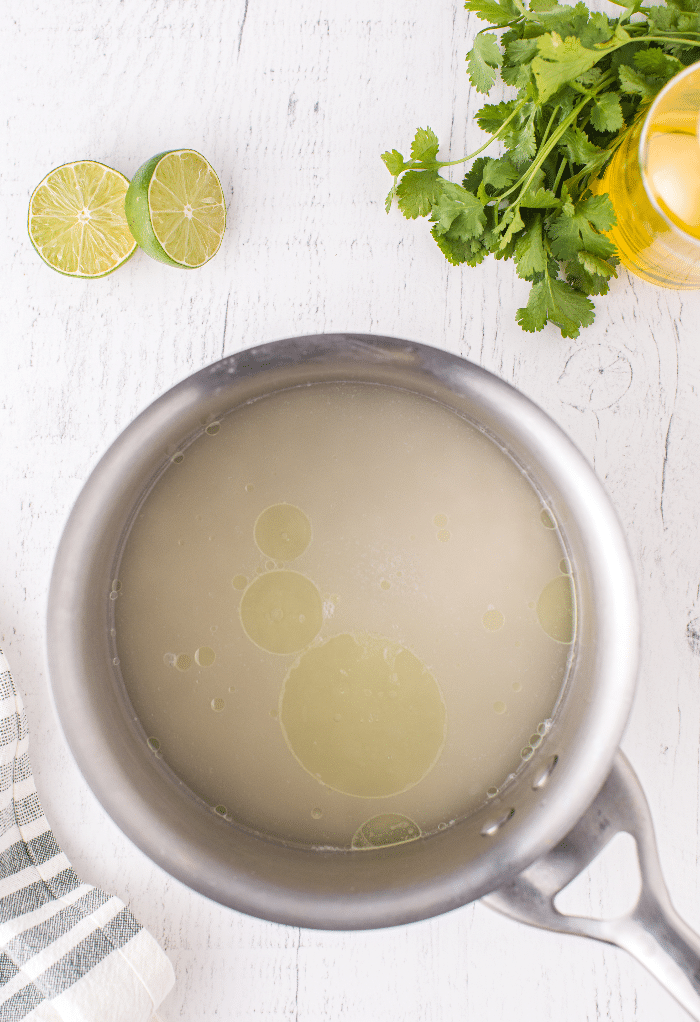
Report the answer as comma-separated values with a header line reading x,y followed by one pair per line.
x,y
653,181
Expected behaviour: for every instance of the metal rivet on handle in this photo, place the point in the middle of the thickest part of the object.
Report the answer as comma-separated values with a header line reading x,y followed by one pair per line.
x,y
490,828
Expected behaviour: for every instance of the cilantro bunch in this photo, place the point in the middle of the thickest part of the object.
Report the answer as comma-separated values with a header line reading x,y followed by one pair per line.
x,y
582,80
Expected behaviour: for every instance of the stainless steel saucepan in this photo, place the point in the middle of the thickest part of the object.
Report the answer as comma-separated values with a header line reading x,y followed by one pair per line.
x,y
575,793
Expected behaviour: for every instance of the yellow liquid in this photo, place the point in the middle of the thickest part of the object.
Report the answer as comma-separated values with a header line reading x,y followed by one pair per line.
x,y
647,244
344,616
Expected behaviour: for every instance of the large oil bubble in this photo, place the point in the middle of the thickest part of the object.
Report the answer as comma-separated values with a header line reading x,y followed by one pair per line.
x,y
283,532
385,830
281,611
555,609
363,715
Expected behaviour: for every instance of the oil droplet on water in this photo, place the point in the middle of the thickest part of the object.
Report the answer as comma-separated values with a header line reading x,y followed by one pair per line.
x,y
178,458
564,566
440,521
443,535
384,830
205,656
281,611
492,620
213,428
516,686
317,814
555,609
239,581
547,520
217,705
282,531
499,707
116,586
379,747
153,744
385,584
183,661
249,487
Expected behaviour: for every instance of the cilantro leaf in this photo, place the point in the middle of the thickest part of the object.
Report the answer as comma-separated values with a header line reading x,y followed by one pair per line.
x,y
417,191
530,255
580,150
459,212
456,250
556,301
635,83
425,145
576,229
394,162
499,174
606,113
492,11
541,199
474,176
653,61
483,58
560,61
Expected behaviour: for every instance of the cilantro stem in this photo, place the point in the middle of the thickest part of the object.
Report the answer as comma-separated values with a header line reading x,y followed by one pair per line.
x,y
463,159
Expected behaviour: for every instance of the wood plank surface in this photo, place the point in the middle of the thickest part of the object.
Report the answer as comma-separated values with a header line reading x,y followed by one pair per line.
x,y
292,101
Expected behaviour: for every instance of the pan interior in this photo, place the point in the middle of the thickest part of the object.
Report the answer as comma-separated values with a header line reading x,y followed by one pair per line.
x,y
344,616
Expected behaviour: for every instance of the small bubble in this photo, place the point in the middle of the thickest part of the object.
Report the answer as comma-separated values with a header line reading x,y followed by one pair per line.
x,y
493,620
516,686
183,661
499,707
113,632
527,752
301,619
217,705
440,521
213,428
231,688
249,487
565,566
115,661
116,586
221,810
535,741
317,814
239,581
491,792
205,656
443,535
547,519
113,595
213,629
169,659
442,826
385,584
181,542
178,458
543,728
153,744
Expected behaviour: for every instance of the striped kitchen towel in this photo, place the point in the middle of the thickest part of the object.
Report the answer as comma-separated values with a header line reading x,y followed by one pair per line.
x,y
68,951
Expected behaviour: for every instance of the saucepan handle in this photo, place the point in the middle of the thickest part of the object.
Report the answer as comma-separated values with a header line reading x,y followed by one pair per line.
x,y
652,931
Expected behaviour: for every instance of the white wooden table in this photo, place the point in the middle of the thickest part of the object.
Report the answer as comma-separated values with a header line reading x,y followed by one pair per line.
x,y
292,101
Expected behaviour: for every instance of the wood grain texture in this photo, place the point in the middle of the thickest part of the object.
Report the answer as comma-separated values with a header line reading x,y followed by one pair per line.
x,y
292,101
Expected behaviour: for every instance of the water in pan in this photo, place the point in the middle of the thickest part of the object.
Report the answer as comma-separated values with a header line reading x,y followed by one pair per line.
x,y
344,615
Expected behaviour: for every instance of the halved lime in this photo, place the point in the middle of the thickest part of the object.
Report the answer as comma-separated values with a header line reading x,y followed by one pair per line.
x,y
175,208
76,219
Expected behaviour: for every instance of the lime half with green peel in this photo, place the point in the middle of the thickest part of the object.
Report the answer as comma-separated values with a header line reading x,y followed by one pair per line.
x,y
175,208
76,219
